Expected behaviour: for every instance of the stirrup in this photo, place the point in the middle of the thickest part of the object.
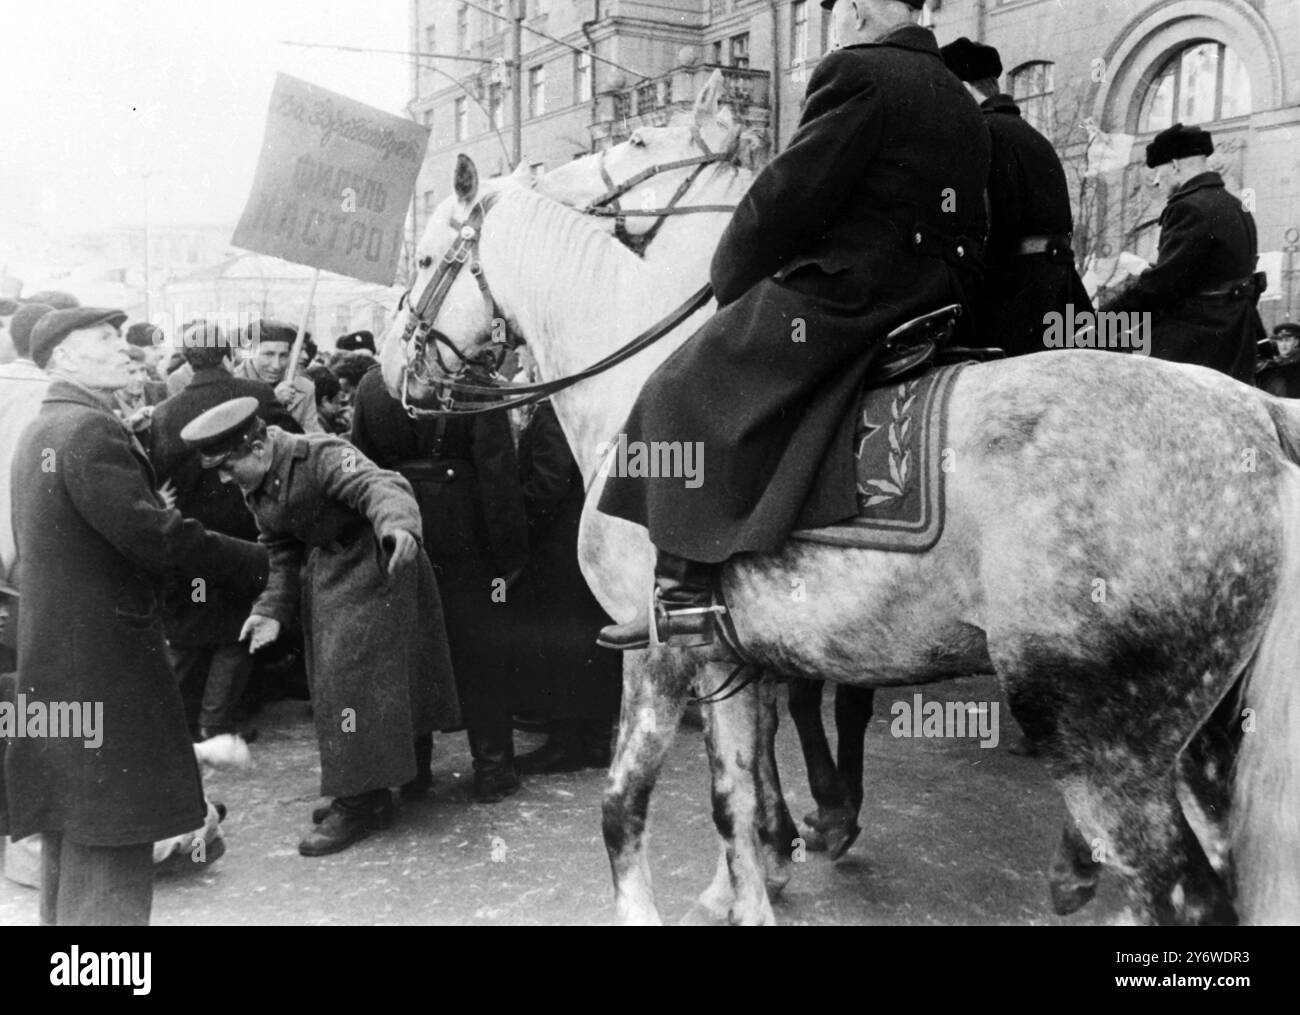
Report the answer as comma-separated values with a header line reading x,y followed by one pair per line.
x,y
695,634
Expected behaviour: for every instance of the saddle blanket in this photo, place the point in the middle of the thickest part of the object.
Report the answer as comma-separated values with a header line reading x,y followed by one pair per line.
x,y
898,447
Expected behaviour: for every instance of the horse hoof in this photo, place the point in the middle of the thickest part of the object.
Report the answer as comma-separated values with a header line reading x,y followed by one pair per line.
x,y
1069,898
839,840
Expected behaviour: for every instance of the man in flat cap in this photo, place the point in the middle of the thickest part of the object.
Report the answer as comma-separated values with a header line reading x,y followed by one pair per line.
x,y
272,343
94,544
872,215
347,534
1202,291
1029,260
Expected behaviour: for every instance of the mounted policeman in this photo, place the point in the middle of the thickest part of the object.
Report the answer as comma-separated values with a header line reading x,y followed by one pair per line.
x,y
1029,258
872,216
1202,291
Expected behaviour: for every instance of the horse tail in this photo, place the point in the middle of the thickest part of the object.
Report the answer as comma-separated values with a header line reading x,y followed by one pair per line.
x,y
1265,825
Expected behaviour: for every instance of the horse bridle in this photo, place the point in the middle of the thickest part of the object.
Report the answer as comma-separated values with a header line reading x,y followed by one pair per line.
x,y
464,252
608,206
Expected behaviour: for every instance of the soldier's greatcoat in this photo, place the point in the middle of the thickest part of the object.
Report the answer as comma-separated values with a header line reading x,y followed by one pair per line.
x,y
1028,198
376,649
1207,242
872,215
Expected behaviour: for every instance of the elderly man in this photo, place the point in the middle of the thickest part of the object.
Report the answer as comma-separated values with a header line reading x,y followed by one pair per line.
x,y
94,543
272,347
1202,290
873,215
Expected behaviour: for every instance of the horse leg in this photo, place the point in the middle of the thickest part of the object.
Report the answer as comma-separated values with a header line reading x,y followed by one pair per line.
x,y
733,734
835,812
1074,873
1137,827
654,696
777,831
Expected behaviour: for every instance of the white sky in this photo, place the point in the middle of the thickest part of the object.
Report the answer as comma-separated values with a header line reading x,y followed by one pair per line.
x,y
92,93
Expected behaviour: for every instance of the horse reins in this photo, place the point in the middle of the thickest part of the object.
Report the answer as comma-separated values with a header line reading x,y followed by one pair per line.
x,y
464,252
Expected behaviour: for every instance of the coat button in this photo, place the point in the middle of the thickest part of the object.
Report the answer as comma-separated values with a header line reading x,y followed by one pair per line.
x,y
961,251
917,238
451,473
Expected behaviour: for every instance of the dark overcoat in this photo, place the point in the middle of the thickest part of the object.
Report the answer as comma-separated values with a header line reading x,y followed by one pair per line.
x,y
94,544
376,648
872,215
1028,197
1207,241
560,669
466,482
200,494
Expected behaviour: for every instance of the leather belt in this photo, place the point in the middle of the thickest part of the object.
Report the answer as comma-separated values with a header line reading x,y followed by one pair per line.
x,y
1049,244
1243,288
441,470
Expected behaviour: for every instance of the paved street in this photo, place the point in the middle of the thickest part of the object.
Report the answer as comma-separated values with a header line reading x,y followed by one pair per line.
x,y
953,834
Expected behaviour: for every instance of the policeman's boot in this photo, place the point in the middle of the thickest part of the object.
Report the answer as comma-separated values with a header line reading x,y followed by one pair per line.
x,y
493,750
683,610
349,820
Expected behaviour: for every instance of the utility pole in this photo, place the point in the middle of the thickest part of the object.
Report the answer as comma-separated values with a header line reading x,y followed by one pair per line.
x,y
144,176
517,78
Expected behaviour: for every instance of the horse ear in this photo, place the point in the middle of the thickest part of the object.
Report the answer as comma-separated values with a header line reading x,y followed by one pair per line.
x,y
466,179
706,103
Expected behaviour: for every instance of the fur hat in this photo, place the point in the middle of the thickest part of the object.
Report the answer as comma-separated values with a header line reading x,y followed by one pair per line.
x,y
972,61
1178,142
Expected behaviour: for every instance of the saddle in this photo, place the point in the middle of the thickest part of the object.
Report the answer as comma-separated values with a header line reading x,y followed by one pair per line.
x,y
924,342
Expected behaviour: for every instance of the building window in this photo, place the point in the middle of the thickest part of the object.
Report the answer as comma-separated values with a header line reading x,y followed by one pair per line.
x,y
582,76
798,33
462,119
1033,87
827,42
496,107
715,54
430,39
536,91
462,28
740,51
1204,82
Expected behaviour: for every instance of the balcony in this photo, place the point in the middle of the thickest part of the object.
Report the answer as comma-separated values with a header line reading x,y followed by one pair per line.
x,y
652,103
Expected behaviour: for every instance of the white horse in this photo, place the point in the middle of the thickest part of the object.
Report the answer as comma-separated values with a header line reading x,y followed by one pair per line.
x,y
1072,468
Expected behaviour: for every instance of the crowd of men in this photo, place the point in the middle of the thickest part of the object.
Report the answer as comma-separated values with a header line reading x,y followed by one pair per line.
x,y
173,531
140,570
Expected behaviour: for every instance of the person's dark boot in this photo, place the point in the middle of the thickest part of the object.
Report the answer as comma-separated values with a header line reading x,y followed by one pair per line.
x,y
493,751
684,608
419,787
380,817
348,822
562,751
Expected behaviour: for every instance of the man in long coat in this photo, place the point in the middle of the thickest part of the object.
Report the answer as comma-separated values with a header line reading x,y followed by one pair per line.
x,y
466,481
94,545
1029,269
872,216
343,535
212,665
1201,292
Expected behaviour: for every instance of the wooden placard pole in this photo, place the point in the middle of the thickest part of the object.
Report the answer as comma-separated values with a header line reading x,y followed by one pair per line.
x,y
295,353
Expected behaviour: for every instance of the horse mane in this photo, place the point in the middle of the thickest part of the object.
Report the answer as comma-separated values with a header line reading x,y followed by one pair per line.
x,y
562,251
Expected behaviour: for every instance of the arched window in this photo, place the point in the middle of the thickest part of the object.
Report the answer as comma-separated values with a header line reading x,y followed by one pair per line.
x,y
1033,87
1202,82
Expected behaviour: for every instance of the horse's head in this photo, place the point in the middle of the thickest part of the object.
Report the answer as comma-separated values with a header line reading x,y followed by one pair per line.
x,y
648,170
448,297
